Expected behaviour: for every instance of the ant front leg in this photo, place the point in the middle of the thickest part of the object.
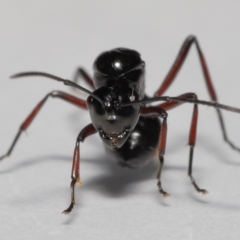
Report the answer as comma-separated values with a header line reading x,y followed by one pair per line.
x,y
158,112
177,66
55,94
192,133
87,131
82,73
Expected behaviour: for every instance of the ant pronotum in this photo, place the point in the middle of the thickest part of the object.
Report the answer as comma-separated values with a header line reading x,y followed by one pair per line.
x,y
121,114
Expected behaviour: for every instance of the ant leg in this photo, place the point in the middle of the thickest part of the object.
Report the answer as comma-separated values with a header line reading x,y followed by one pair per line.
x,y
192,133
158,112
80,72
191,142
55,94
161,148
177,66
87,131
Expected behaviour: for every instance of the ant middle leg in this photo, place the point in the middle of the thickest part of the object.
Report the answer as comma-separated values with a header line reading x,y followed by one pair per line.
x,y
192,133
55,94
159,112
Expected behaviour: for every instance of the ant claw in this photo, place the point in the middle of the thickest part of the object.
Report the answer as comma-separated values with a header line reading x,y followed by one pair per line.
x,y
203,191
68,210
165,194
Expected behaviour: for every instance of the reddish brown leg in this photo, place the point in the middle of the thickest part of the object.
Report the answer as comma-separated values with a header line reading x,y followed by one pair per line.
x,y
177,66
82,73
55,94
158,112
87,131
192,133
191,142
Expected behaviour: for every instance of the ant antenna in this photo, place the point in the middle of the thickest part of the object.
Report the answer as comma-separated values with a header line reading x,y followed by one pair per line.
x,y
183,100
65,81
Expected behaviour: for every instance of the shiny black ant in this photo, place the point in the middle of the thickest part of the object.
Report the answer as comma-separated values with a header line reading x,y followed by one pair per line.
x,y
121,114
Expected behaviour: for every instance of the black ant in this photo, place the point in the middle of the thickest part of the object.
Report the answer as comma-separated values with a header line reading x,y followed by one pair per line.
x,y
121,114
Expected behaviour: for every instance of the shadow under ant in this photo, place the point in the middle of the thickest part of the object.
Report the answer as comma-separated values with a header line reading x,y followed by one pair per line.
x,y
116,181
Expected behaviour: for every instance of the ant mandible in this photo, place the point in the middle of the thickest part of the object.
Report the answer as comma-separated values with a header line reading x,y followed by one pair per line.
x,y
121,114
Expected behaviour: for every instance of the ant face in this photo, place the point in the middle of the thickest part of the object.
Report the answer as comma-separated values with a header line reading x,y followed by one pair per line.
x,y
111,122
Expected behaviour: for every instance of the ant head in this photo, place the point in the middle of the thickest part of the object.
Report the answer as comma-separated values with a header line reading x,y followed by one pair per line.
x,y
113,122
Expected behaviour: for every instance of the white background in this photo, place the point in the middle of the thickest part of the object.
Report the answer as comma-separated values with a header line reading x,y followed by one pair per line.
x,y
115,203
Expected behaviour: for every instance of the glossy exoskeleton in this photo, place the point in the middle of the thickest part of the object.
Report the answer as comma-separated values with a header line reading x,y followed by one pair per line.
x,y
121,112
119,78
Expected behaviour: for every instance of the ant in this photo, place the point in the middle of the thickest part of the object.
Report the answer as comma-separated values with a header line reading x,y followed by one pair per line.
x,y
121,114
